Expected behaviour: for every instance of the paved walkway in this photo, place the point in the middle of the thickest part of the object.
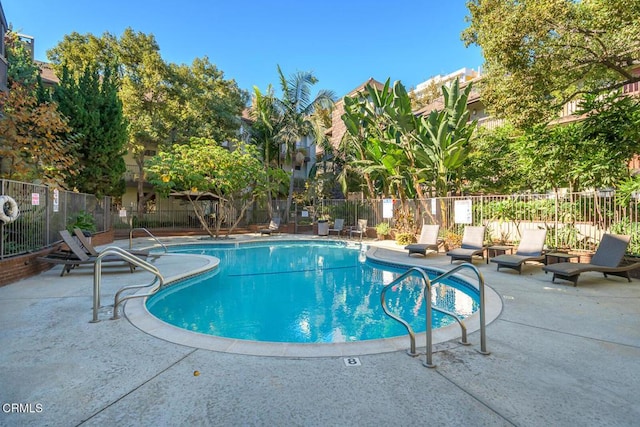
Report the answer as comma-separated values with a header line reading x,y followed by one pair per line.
x,y
559,356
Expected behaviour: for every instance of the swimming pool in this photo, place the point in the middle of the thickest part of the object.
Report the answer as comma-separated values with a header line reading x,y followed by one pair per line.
x,y
301,292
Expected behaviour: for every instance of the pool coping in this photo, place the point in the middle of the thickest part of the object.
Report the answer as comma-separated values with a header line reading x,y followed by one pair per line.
x,y
136,312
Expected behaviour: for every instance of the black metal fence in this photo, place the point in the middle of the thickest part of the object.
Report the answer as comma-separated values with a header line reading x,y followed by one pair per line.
x,y
45,211
572,220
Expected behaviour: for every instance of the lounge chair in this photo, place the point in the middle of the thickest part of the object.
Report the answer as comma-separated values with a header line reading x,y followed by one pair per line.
x,y
472,245
274,225
92,251
338,225
76,256
428,240
606,260
531,248
360,229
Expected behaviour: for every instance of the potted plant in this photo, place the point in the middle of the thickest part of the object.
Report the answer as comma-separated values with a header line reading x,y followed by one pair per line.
x,y
383,229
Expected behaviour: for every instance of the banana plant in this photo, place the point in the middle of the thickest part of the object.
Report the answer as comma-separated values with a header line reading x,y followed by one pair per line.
x,y
444,138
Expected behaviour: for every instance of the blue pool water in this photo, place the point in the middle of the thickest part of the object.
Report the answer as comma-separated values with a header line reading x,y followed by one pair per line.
x,y
303,292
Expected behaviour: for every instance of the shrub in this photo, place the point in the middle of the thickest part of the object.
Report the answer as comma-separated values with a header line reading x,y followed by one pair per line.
x,y
405,238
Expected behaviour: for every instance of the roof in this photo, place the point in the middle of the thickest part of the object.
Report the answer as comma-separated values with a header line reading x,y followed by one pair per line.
x,y
47,74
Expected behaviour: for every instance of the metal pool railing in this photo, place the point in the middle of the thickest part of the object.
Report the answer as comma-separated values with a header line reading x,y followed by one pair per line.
x,y
428,311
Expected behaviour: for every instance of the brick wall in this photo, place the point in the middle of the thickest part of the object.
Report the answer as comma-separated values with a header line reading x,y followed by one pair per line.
x,y
23,266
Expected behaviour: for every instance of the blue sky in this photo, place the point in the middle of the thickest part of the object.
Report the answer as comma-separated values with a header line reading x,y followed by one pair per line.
x,y
343,42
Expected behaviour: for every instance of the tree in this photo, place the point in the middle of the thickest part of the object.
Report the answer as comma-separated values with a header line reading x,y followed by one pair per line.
x,y
407,155
235,178
492,166
444,138
264,131
295,109
21,68
94,112
32,143
541,54
426,96
162,103
202,103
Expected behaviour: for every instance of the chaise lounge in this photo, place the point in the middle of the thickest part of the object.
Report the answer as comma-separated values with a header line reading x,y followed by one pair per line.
x,y
76,256
92,251
472,245
606,260
274,225
531,248
428,240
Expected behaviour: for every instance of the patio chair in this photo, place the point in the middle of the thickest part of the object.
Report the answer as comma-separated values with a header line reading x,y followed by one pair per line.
x,y
428,240
76,256
472,245
607,260
92,251
338,225
531,248
360,229
274,225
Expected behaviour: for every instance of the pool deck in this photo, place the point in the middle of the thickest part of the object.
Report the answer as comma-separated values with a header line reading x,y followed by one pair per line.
x,y
559,356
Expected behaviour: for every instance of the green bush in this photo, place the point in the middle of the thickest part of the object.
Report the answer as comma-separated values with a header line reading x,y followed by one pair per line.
x,y
405,238
383,229
83,220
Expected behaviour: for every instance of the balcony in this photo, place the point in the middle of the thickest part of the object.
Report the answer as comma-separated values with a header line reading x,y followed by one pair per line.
x,y
3,74
131,175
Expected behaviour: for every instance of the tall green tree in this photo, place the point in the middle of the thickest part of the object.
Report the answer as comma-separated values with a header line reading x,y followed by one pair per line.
x,y
94,113
162,103
264,135
541,54
296,106
202,103
492,166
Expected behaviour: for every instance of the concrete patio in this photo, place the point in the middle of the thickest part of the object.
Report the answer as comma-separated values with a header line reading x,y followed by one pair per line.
x,y
559,356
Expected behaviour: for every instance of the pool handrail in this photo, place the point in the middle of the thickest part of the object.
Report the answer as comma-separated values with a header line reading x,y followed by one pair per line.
x,y
132,259
428,307
427,295
481,303
150,235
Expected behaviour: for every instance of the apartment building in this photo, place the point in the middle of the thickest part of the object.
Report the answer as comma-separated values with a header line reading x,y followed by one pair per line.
x,y
4,64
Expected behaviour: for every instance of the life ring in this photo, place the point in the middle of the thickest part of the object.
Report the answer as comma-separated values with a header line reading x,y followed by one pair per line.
x,y
10,215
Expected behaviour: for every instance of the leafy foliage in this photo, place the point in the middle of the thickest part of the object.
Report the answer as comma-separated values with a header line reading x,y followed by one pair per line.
x,y
540,54
203,166
94,113
162,103
33,144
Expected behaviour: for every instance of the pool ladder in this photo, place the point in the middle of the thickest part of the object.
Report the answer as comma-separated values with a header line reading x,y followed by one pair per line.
x,y
157,282
428,283
150,235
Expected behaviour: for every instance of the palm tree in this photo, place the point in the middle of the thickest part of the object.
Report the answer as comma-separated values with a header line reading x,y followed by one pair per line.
x,y
296,108
263,133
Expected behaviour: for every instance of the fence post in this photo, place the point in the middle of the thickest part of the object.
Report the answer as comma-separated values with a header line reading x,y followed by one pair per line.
x,y
47,216
555,220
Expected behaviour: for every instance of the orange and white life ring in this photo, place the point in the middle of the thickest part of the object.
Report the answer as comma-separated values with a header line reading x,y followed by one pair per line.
x,y
11,214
